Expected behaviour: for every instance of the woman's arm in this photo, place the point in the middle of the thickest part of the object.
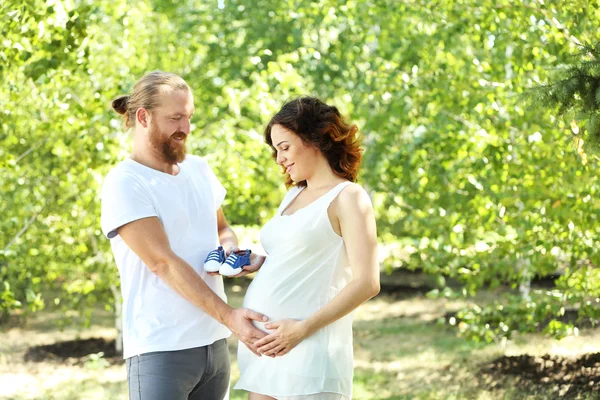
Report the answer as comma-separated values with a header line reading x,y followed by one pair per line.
x,y
357,226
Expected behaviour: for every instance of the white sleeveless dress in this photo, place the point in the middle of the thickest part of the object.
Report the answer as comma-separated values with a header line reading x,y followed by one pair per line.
x,y
306,267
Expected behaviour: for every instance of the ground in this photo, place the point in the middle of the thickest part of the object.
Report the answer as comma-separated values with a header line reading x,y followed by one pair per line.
x,y
400,351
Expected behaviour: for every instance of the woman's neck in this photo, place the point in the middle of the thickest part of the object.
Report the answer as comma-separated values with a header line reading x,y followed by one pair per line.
x,y
322,179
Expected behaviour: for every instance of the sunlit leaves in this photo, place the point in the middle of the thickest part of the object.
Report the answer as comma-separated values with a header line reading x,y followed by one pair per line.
x,y
468,181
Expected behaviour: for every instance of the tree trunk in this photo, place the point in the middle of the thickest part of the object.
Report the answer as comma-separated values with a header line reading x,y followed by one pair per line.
x,y
524,265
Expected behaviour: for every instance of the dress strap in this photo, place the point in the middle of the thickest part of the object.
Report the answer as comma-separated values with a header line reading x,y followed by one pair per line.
x,y
333,193
288,198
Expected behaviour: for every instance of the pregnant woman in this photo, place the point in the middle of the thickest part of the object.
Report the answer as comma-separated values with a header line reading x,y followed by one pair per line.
x,y
321,262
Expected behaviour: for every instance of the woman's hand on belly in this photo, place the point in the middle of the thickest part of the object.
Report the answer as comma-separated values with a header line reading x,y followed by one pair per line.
x,y
287,334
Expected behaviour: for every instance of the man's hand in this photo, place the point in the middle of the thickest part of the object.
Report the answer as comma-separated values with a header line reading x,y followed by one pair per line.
x,y
239,322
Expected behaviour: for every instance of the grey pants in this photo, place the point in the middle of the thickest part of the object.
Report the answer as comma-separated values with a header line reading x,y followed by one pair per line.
x,y
191,374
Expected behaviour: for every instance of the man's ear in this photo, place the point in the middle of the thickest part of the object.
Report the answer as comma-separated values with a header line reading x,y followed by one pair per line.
x,y
142,116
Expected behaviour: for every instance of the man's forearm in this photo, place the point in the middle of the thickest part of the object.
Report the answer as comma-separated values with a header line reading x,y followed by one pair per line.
x,y
182,278
228,238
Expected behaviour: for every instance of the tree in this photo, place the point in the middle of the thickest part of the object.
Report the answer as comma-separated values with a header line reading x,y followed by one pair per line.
x,y
576,93
467,180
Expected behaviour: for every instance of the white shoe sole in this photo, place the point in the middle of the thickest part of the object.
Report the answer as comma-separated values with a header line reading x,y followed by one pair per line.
x,y
212,266
226,270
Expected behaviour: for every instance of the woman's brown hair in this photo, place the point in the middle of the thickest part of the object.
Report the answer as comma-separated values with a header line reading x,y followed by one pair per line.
x,y
322,127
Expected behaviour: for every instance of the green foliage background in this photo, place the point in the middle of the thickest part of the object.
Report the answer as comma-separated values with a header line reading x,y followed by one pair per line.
x,y
469,180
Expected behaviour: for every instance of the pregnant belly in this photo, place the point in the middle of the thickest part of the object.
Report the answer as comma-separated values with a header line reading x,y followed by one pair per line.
x,y
268,300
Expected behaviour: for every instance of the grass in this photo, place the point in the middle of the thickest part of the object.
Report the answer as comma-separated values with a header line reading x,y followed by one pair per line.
x,y
400,353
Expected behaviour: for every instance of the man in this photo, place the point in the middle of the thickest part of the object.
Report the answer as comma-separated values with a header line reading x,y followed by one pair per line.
x,y
161,212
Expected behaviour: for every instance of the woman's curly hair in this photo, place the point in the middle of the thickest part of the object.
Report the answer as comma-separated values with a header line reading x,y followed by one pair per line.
x,y
322,127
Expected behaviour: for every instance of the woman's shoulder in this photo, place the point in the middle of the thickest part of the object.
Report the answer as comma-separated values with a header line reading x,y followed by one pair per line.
x,y
353,191
353,198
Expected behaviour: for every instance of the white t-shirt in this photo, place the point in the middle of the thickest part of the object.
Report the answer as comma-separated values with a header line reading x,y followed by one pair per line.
x,y
155,317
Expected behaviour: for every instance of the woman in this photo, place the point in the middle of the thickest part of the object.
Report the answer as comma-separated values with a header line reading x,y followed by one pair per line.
x,y
321,263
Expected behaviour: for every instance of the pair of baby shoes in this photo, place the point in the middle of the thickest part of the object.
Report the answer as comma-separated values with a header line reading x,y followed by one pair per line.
x,y
227,266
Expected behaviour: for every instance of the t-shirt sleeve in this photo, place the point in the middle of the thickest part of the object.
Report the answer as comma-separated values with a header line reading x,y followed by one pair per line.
x,y
124,200
217,188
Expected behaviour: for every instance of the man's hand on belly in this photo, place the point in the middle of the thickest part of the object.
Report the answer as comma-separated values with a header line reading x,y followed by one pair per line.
x,y
239,322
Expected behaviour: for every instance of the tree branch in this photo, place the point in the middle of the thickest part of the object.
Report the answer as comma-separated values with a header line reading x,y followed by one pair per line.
x,y
23,230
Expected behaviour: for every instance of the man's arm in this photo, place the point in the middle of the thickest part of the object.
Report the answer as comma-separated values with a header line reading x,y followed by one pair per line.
x,y
227,236
229,241
148,239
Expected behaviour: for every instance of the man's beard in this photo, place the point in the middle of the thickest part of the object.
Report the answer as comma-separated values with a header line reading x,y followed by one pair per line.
x,y
172,151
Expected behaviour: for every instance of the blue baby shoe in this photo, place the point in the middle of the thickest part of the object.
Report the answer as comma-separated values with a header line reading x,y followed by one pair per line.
x,y
214,260
234,264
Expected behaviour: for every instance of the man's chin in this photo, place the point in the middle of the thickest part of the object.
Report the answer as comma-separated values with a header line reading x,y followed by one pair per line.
x,y
175,157
180,158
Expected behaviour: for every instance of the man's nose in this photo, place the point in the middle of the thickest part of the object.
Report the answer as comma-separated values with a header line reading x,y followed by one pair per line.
x,y
185,126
